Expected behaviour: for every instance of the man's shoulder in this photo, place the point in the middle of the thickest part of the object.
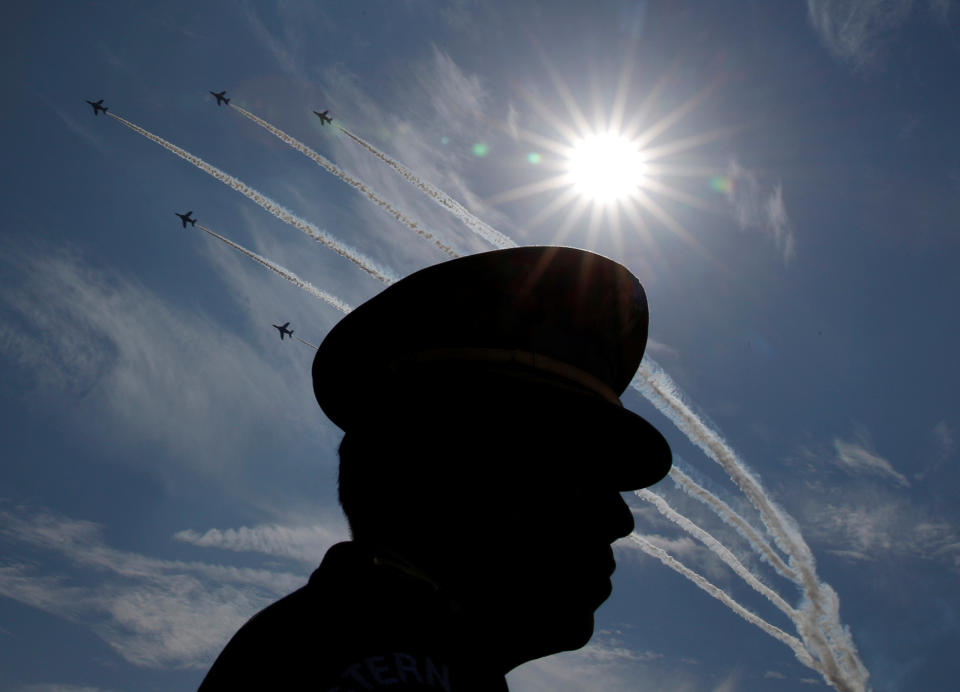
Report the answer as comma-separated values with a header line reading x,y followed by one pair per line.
x,y
282,642
354,626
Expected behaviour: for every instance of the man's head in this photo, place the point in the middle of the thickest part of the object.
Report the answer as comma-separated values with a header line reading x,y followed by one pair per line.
x,y
484,434
501,514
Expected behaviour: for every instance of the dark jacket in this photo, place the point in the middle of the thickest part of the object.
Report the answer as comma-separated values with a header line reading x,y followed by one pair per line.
x,y
362,622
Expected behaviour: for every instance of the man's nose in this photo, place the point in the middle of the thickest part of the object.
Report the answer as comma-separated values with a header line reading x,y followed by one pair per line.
x,y
618,519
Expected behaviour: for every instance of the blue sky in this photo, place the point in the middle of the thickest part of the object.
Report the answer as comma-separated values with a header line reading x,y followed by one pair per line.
x,y
166,469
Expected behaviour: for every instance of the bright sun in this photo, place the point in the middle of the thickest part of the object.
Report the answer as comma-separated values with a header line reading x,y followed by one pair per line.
x,y
605,167
610,173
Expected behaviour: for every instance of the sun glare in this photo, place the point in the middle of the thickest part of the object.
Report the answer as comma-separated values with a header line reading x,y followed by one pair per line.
x,y
605,167
611,172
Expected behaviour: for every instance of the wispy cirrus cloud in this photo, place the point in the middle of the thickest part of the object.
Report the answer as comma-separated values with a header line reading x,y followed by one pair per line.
x,y
944,444
58,687
154,613
855,455
946,440
91,136
287,40
942,9
95,333
607,663
730,683
512,122
456,96
872,524
449,100
451,105
858,456
757,206
302,543
854,30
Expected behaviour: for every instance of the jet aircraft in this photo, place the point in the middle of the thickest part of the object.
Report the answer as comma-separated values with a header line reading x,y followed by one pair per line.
x,y
186,218
283,330
221,97
324,118
98,106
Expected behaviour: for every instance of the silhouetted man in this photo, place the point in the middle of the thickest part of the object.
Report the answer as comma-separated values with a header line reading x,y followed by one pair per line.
x,y
480,472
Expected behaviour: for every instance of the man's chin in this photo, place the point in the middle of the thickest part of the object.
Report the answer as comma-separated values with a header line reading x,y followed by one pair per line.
x,y
568,625
533,630
572,633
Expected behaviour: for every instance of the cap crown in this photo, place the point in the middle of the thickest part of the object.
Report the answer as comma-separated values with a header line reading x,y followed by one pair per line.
x,y
571,306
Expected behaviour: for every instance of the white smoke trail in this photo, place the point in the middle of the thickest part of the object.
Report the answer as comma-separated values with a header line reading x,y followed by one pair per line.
x,y
656,500
304,341
726,513
717,549
818,619
488,233
795,644
340,248
328,165
285,273
661,504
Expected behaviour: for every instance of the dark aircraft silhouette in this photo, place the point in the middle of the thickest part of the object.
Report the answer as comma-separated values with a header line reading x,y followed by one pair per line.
x,y
186,218
221,97
98,106
324,118
283,330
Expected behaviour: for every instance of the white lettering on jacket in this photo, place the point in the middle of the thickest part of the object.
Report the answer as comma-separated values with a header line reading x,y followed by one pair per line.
x,y
378,672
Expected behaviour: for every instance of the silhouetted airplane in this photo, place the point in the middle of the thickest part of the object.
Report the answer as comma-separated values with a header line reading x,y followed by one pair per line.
x,y
186,218
324,118
283,329
98,106
221,97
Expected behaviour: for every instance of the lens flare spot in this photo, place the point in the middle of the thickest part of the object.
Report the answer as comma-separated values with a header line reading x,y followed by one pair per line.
x,y
480,149
719,183
534,158
606,167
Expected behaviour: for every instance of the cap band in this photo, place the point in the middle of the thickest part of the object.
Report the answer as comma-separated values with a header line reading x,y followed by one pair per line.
x,y
526,359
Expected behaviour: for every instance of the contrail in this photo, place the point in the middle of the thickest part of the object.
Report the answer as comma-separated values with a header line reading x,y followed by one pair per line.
x,y
285,273
656,500
726,513
304,341
717,549
661,504
325,163
488,233
340,248
795,644
818,621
